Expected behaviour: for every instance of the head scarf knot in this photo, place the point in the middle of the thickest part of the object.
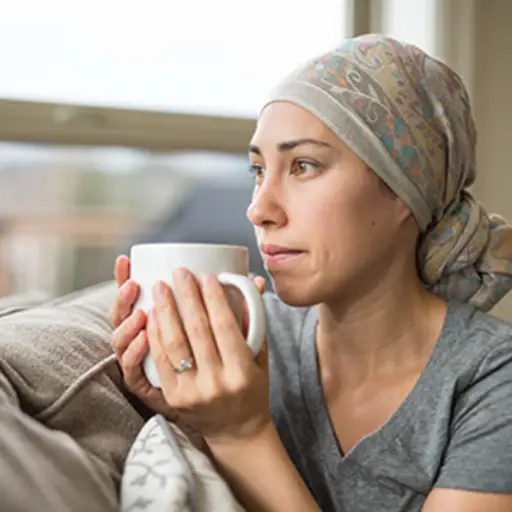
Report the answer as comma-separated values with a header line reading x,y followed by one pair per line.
x,y
408,117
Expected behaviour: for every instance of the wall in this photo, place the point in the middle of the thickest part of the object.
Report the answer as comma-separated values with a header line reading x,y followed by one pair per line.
x,y
492,95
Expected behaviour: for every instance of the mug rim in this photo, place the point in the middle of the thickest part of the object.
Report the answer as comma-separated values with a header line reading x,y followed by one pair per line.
x,y
185,245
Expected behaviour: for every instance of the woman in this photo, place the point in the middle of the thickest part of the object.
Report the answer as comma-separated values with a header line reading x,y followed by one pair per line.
x,y
390,388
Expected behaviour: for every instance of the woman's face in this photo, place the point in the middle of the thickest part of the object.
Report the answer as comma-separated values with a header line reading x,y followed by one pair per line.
x,y
326,225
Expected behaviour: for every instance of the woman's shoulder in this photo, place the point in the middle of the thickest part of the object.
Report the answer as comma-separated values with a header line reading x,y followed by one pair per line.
x,y
476,378
476,345
475,330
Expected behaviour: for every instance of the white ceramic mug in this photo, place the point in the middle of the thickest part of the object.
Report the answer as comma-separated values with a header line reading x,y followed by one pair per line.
x,y
155,262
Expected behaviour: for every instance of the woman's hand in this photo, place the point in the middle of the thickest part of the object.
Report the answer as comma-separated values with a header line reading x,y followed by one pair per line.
x,y
224,396
130,341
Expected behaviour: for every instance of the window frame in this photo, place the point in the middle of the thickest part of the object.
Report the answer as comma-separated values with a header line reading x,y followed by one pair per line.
x,y
74,124
69,124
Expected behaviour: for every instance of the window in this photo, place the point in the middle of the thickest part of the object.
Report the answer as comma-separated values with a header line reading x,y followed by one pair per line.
x,y
411,21
200,56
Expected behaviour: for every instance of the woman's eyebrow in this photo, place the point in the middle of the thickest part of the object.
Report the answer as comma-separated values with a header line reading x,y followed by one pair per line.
x,y
289,145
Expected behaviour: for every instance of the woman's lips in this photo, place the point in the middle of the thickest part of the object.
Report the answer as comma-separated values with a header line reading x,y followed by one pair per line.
x,y
274,255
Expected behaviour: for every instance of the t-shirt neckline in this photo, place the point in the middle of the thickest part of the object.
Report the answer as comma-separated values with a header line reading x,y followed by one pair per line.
x,y
312,393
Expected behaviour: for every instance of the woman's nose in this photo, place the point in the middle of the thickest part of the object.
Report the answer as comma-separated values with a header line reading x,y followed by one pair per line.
x,y
266,207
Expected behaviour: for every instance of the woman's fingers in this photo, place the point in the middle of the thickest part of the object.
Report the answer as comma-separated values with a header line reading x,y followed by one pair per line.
x,y
169,330
203,332
259,282
132,358
125,299
195,321
224,325
168,378
122,270
127,331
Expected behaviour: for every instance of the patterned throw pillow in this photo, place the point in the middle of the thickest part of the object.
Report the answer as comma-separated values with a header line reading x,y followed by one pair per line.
x,y
165,472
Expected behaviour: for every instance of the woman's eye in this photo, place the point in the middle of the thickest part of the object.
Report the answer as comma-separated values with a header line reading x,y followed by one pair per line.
x,y
304,167
256,170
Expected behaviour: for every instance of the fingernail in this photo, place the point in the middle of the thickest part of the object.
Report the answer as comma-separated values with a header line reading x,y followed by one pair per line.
x,y
181,274
159,293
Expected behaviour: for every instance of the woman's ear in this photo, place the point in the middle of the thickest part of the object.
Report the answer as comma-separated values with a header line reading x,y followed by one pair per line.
x,y
403,211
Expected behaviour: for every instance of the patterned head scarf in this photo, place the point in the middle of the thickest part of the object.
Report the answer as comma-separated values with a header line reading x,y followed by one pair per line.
x,y
408,117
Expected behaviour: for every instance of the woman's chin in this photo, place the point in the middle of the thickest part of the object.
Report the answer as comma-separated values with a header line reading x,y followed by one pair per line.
x,y
293,293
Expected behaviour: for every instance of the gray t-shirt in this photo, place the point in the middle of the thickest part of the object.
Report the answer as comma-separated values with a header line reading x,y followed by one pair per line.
x,y
454,429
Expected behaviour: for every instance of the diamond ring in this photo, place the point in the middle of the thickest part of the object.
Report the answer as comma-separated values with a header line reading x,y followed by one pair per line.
x,y
185,364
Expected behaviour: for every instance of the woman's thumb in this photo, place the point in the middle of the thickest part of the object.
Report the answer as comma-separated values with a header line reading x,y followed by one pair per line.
x,y
259,282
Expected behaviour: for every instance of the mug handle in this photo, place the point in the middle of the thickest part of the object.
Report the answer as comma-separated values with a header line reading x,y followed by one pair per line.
x,y
257,320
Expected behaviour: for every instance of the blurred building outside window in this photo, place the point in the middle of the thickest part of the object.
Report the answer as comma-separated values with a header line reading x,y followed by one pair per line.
x,y
67,211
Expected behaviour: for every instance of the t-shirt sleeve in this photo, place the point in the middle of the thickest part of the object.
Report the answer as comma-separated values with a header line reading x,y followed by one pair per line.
x,y
479,453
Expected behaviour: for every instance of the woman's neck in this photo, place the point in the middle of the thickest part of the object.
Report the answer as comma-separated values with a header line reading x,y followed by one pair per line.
x,y
390,330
